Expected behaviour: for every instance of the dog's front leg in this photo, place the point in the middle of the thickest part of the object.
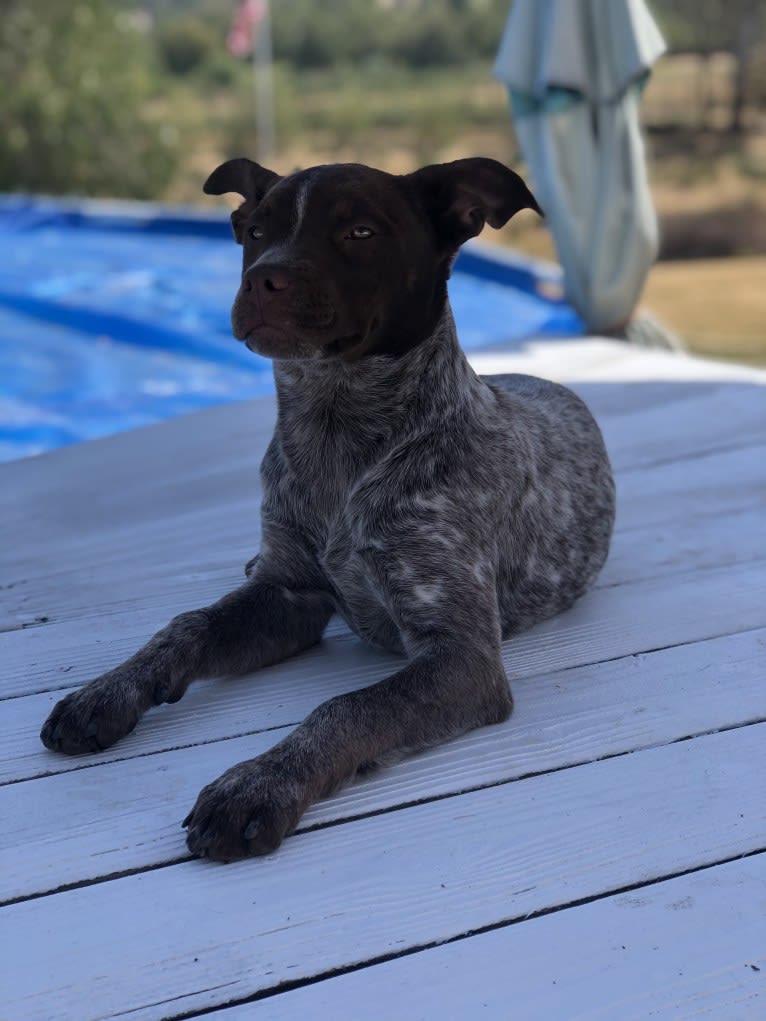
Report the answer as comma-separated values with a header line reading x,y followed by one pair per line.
x,y
256,625
454,683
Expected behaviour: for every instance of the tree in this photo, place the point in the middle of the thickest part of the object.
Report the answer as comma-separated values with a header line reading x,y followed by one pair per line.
x,y
74,79
710,26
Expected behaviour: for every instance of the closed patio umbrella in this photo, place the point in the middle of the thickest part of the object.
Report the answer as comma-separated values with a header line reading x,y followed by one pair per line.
x,y
575,71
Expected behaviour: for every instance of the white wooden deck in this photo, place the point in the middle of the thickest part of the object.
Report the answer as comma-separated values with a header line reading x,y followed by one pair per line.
x,y
599,856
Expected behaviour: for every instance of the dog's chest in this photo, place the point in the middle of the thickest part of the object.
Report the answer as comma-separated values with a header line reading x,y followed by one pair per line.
x,y
359,598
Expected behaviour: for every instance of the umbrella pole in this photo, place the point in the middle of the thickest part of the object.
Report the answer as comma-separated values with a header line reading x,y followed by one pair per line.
x,y
263,85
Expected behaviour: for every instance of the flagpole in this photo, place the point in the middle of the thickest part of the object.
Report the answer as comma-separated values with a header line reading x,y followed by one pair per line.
x,y
263,84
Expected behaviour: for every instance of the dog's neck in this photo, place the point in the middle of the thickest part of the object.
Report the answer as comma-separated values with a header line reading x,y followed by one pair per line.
x,y
336,417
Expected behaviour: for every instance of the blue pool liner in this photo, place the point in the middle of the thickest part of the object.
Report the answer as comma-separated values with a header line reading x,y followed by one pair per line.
x,y
115,315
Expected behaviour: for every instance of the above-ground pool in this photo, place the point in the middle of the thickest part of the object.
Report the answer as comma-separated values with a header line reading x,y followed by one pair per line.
x,y
114,316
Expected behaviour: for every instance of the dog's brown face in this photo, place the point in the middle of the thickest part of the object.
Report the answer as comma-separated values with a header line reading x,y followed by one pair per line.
x,y
346,261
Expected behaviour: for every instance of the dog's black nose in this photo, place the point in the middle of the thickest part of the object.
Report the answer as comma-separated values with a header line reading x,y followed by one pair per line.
x,y
265,278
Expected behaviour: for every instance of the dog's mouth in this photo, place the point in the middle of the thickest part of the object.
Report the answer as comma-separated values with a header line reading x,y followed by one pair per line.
x,y
305,325
285,341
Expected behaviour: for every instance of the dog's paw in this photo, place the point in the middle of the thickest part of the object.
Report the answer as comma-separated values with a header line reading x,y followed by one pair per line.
x,y
246,811
91,719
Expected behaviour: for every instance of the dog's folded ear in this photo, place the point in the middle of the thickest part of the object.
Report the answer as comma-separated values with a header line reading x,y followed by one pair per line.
x,y
464,195
245,178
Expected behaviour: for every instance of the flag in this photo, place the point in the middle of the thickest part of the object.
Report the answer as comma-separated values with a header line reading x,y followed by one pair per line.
x,y
249,14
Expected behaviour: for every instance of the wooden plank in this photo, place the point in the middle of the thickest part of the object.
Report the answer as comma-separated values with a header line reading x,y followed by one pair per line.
x,y
126,815
719,483
605,624
720,418
635,955
121,485
112,588
124,543
196,935
128,472
228,526
152,488
125,585
696,543
281,695
41,659
215,443
612,402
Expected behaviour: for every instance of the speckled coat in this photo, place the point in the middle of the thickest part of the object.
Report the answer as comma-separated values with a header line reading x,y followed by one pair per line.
x,y
425,500
436,511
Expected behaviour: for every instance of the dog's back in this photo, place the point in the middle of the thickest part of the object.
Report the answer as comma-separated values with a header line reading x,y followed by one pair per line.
x,y
560,524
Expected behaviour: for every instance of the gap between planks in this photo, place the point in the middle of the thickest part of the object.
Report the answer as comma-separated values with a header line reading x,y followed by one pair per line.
x,y
711,417
642,957
735,537
122,817
342,896
228,521
122,587
601,627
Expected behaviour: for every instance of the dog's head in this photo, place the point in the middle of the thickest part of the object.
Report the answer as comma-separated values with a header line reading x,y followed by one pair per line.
x,y
345,261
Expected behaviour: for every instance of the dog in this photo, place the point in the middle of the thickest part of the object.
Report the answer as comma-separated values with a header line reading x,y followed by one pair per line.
x,y
438,512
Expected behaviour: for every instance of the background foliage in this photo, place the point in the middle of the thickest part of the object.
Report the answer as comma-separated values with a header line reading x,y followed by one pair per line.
x,y
95,94
73,81
140,98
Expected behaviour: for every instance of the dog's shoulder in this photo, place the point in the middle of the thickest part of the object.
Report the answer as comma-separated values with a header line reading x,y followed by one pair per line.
x,y
438,477
528,399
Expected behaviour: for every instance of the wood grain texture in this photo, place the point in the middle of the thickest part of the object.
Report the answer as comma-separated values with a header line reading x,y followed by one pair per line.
x,y
193,935
720,418
635,955
125,582
634,754
602,626
113,495
125,816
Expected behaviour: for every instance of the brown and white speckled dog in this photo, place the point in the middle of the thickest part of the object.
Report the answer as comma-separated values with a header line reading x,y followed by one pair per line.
x,y
436,511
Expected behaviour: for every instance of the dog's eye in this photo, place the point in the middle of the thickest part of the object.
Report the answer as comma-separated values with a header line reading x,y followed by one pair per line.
x,y
360,233
256,233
